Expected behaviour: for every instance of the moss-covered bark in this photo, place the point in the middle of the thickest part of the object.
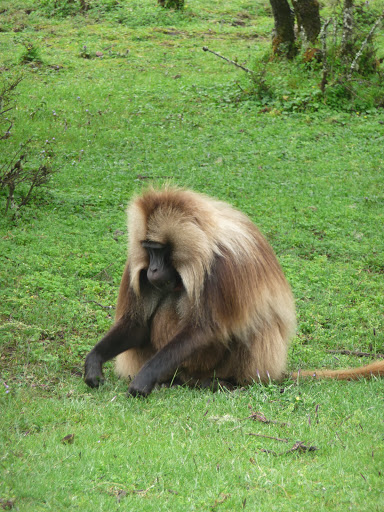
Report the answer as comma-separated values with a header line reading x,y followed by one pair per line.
x,y
308,17
283,41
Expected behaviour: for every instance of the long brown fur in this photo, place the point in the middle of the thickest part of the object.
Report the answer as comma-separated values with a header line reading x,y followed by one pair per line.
x,y
234,288
375,369
227,311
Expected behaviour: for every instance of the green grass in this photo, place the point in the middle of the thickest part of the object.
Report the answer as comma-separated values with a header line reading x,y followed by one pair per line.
x,y
156,108
191,450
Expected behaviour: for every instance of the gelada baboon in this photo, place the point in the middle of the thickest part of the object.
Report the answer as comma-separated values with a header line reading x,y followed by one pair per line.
x,y
202,296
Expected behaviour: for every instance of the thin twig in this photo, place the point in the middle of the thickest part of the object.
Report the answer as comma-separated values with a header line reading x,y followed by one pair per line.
x,y
206,49
16,154
7,133
258,416
7,110
301,447
98,304
339,438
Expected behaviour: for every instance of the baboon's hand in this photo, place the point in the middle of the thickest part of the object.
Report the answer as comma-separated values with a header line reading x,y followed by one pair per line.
x,y
93,374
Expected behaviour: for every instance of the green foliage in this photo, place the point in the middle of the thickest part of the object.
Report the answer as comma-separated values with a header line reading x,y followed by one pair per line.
x,y
171,4
71,7
279,94
286,87
30,54
296,86
133,13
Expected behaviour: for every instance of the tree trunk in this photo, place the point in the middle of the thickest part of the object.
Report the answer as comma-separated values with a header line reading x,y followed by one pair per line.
x,y
283,40
347,38
308,17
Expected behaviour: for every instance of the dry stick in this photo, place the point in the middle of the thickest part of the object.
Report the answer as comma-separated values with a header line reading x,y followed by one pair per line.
x,y
206,49
365,42
98,304
301,447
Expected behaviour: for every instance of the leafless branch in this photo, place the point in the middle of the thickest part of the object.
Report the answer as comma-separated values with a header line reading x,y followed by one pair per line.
x,y
354,65
206,49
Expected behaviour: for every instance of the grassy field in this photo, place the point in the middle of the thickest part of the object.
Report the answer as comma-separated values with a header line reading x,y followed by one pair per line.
x,y
123,96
